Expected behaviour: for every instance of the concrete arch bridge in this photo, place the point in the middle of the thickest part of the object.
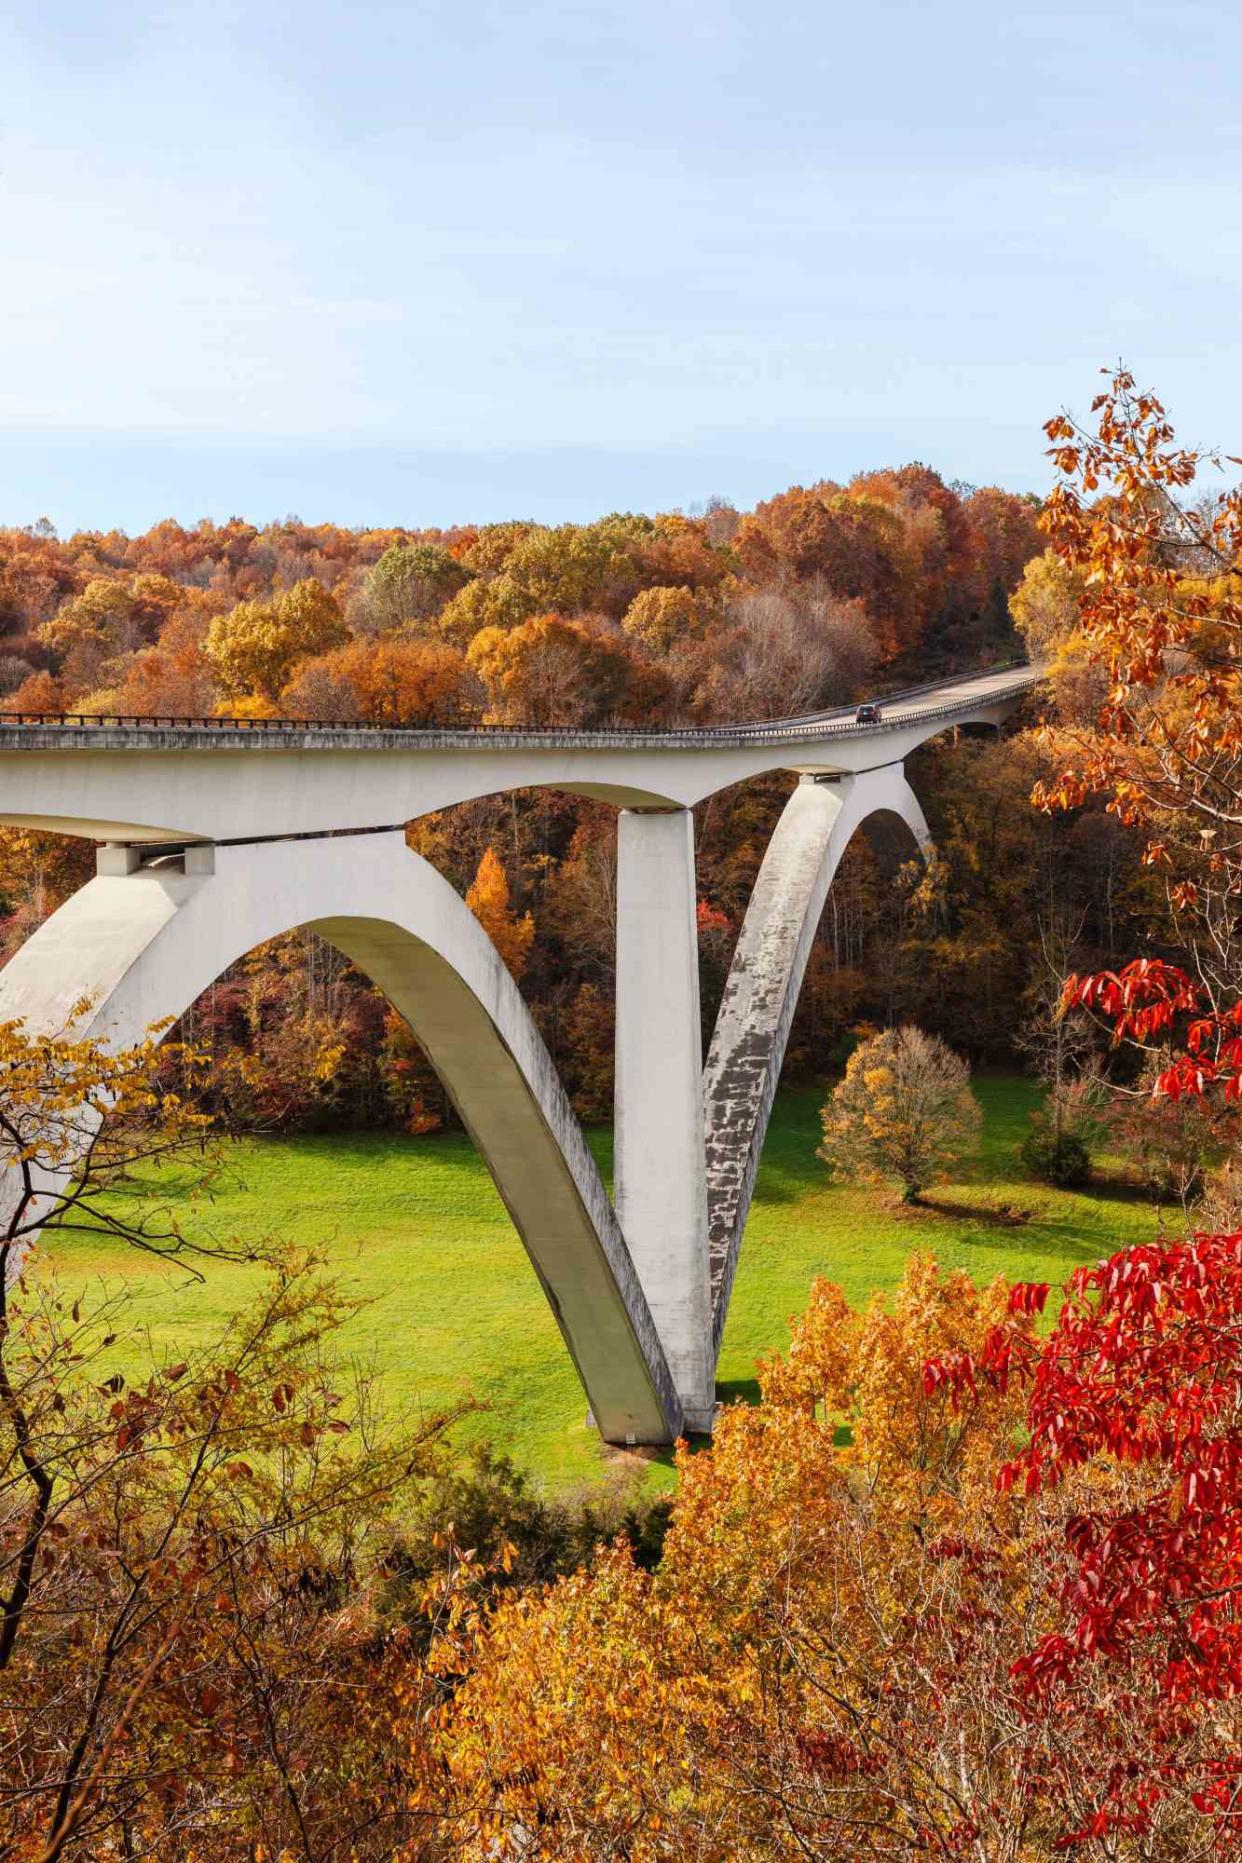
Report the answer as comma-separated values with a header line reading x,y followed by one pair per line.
x,y
218,835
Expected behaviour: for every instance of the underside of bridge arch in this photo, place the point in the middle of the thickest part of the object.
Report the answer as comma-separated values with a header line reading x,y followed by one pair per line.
x,y
142,946
761,992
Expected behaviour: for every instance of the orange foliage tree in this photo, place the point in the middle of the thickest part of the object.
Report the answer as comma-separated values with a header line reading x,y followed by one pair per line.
x,y
1159,612
489,900
393,681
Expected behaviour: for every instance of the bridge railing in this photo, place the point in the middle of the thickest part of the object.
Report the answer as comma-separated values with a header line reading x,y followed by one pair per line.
x,y
158,721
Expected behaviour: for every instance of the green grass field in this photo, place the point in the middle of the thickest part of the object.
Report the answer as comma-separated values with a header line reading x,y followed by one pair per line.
x,y
415,1227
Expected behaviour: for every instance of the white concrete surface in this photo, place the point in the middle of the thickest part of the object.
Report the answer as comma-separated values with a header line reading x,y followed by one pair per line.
x,y
658,1158
761,992
143,945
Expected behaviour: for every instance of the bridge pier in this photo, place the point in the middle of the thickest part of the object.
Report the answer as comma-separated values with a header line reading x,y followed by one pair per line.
x,y
660,1190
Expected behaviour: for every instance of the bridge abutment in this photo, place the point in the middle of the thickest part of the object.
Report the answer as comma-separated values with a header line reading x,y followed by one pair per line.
x,y
660,1193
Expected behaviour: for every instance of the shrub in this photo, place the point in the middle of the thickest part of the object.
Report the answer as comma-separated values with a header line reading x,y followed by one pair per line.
x,y
1057,1158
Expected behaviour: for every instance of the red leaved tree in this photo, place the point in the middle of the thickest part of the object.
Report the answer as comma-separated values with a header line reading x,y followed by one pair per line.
x,y
1134,1405
1160,616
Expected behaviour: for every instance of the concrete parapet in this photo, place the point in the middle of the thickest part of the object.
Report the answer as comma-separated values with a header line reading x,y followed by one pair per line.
x,y
220,782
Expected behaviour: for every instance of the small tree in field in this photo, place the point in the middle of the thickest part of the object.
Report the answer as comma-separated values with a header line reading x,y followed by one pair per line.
x,y
904,1111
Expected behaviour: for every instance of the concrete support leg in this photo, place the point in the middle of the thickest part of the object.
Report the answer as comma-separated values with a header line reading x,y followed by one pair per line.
x,y
660,1194
761,994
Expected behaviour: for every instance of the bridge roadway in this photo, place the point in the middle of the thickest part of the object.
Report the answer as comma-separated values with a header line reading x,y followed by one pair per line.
x,y
221,834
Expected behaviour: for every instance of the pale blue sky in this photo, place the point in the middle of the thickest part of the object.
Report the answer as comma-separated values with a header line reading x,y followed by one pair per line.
x,y
430,262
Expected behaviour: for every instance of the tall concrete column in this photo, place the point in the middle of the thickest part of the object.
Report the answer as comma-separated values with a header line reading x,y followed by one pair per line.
x,y
660,1192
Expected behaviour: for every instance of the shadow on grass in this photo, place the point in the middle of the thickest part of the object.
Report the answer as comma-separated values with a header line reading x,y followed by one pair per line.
x,y
1114,1187
788,1185
1000,1215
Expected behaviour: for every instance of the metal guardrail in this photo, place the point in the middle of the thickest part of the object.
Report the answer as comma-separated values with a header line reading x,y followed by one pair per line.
x,y
840,720
157,721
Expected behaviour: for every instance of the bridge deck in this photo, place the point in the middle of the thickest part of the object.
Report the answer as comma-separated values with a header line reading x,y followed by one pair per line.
x,y
165,781
76,731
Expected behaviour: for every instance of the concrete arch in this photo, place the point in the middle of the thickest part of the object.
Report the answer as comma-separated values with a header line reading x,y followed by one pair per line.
x,y
143,945
761,992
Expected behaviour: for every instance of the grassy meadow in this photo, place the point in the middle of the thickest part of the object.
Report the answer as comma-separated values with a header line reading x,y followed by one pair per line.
x,y
415,1227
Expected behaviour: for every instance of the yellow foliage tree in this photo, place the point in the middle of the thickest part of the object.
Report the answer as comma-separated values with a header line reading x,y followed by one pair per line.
x,y
550,671
252,650
488,602
659,617
820,1666
1045,609
102,616
904,1111
89,631
1044,606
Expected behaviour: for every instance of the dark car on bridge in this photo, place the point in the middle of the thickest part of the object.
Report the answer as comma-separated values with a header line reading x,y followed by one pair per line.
x,y
867,714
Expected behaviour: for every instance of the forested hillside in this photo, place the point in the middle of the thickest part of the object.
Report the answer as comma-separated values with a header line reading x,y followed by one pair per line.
x,y
815,597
